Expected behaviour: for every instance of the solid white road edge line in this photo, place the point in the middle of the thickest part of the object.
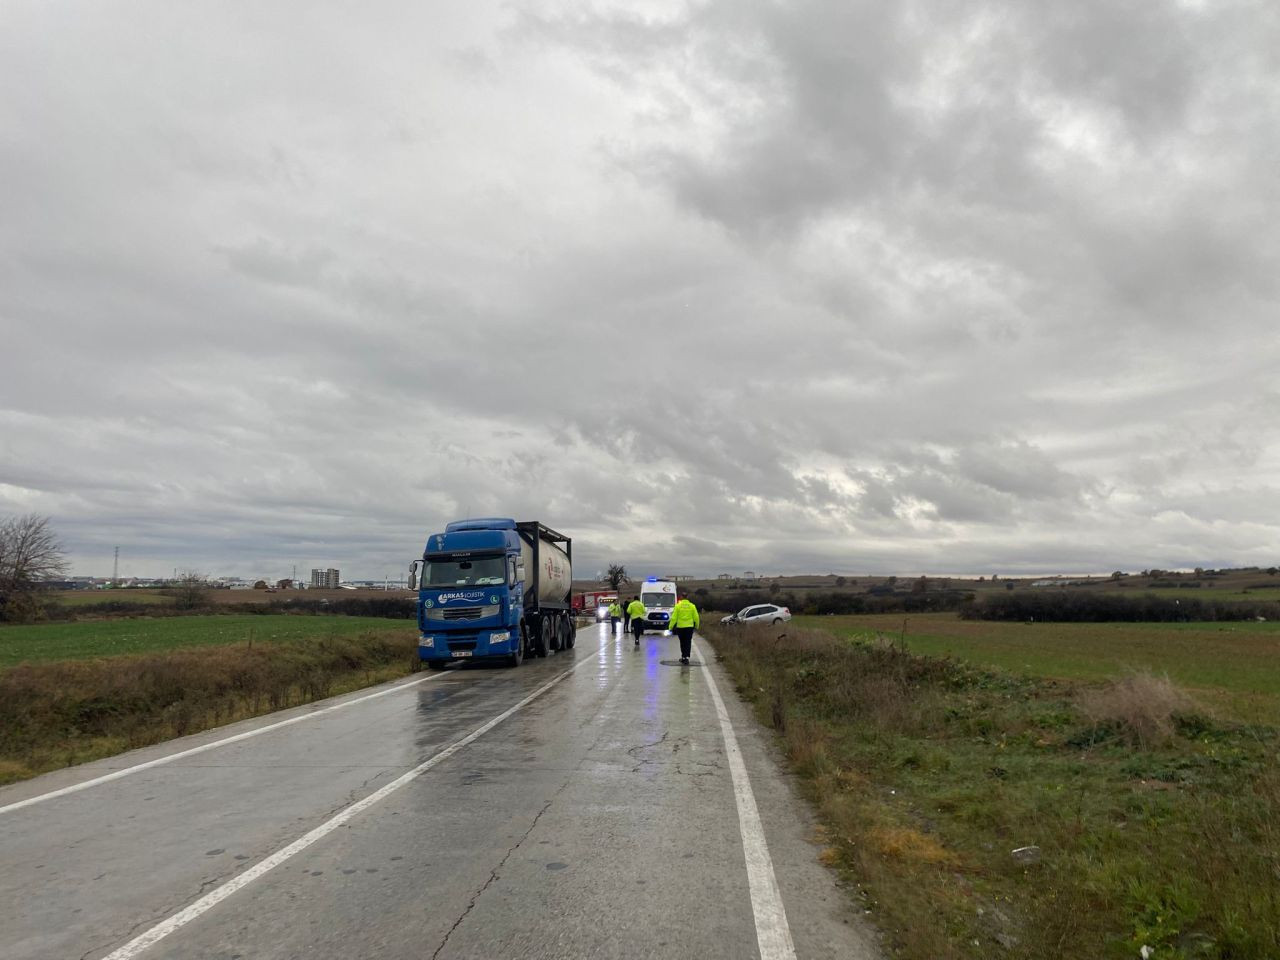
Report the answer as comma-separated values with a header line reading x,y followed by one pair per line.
x,y
212,899
77,787
772,933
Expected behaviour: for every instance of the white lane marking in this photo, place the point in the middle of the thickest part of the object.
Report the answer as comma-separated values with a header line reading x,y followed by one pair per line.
x,y
212,899
77,787
772,933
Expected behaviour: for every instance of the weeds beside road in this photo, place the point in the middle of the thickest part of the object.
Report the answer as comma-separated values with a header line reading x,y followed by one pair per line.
x,y
985,814
54,714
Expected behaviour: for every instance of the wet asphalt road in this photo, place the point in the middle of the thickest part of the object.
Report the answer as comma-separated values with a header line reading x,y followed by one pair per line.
x,y
601,819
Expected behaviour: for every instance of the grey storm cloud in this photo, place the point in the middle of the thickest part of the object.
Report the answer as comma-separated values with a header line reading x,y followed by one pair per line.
x,y
711,286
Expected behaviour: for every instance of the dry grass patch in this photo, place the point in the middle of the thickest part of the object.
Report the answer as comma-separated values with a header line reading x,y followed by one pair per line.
x,y
906,843
1141,706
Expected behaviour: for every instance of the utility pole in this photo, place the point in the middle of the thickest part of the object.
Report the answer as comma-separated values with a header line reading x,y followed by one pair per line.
x,y
115,568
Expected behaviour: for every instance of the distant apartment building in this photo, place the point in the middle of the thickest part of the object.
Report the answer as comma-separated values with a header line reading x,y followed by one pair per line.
x,y
325,579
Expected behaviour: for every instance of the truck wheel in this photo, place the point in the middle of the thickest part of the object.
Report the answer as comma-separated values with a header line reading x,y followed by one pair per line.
x,y
564,634
548,635
540,642
572,629
553,640
517,658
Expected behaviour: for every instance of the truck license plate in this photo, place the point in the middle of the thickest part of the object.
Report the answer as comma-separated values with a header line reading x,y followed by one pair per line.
x,y
462,653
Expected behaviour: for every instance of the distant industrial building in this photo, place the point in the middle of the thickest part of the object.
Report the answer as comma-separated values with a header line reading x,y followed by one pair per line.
x,y
325,579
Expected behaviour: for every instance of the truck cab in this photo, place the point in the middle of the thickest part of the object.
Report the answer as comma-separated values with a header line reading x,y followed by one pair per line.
x,y
491,589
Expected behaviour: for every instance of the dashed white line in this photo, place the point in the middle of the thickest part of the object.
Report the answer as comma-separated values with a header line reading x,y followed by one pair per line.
x,y
213,898
773,935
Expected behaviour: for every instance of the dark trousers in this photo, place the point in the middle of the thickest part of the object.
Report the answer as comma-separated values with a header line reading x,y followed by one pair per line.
x,y
613,625
637,627
686,640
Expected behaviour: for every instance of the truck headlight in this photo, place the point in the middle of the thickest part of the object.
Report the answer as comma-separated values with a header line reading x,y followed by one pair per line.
x,y
500,636
426,641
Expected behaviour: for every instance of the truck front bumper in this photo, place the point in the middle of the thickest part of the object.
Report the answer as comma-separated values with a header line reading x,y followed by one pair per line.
x,y
467,645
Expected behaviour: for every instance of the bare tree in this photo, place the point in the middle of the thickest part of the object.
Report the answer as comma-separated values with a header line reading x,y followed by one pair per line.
x,y
616,576
29,553
190,591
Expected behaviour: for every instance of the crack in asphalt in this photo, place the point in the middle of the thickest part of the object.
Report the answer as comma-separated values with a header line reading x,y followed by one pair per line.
x,y
675,750
631,751
493,874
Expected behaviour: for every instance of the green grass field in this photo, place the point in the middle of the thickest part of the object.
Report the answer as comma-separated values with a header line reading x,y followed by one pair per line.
x,y
1154,822
1232,667
40,643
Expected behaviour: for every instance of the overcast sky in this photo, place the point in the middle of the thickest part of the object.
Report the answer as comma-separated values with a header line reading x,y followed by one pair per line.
x,y
815,286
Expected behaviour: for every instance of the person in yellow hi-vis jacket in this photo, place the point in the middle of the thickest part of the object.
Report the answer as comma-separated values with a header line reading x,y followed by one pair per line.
x,y
635,610
684,619
615,614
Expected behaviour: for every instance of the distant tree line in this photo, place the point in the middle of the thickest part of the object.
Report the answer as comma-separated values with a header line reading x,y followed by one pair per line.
x,y
1070,607
835,602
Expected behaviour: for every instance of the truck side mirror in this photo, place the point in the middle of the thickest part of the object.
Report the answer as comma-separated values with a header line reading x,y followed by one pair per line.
x,y
413,574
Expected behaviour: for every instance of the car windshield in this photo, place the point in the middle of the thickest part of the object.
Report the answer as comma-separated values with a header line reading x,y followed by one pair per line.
x,y
464,572
659,599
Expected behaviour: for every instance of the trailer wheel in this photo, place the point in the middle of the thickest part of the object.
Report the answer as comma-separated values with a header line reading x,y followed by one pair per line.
x,y
543,643
572,629
553,638
564,634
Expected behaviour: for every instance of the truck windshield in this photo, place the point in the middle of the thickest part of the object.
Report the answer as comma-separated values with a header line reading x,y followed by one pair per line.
x,y
659,599
464,572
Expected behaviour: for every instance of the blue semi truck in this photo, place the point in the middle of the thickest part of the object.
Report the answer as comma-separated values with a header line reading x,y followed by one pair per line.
x,y
493,589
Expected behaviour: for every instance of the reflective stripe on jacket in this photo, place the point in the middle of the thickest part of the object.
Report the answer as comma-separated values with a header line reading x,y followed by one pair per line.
x,y
684,614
